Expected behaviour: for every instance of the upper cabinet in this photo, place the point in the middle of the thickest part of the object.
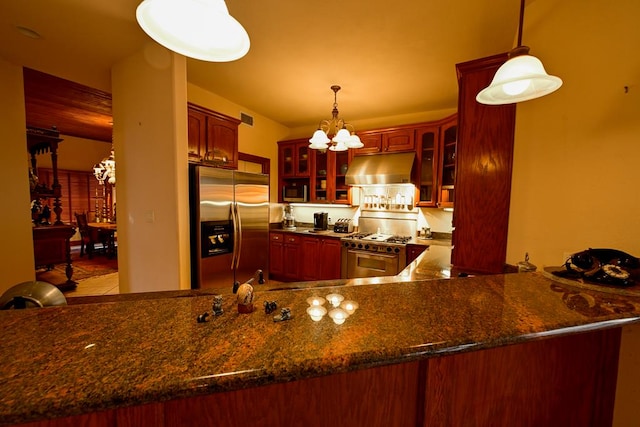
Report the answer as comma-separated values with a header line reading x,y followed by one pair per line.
x,y
428,142
386,141
448,145
319,175
293,158
213,137
306,175
328,176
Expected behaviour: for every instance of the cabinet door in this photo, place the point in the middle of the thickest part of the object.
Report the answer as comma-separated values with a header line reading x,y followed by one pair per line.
x,y
197,136
276,255
330,258
398,140
291,257
428,143
446,184
413,251
321,179
222,142
311,263
372,143
339,189
302,162
287,159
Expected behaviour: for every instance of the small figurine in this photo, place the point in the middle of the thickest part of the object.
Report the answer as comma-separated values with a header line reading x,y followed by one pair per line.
x,y
217,305
202,318
245,298
270,307
285,314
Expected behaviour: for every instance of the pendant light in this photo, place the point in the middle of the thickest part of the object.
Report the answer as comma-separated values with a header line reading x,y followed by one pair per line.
x,y
344,136
199,29
521,78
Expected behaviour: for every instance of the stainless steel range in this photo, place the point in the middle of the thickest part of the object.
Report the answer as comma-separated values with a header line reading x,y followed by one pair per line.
x,y
380,248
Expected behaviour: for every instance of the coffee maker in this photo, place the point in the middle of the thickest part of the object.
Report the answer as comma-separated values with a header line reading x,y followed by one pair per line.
x,y
288,222
320,220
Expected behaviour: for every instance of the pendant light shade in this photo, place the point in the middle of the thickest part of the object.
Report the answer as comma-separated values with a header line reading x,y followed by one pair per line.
x,y
519,79
199,29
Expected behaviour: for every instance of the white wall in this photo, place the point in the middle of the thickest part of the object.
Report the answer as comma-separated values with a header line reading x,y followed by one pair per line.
x,y
577,151
150,138
16,252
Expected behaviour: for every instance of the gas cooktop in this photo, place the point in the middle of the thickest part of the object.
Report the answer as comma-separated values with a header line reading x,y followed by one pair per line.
x,y
377,237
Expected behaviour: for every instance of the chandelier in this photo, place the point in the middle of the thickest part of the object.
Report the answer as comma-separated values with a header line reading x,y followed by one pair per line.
x,y
521,78
342,133
105,171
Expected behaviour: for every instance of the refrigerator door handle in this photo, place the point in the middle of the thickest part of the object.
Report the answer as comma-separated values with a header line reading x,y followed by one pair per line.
x,y
239,240
235,235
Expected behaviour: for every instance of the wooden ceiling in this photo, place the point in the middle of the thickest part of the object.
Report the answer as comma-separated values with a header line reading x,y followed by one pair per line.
x,y
74,109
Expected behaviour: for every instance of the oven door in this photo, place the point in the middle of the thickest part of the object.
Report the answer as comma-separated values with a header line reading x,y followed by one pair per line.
x,y
371,264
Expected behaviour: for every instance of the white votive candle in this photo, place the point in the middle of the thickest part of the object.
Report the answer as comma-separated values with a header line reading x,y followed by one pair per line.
x,y
349,306
335,299
316,312
338,315
316,301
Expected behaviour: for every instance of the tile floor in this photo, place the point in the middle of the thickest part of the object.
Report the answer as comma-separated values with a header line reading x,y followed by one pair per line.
x,y
98,285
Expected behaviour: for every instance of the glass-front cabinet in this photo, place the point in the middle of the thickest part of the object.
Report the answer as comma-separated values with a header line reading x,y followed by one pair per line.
x,y
427,139
328,176
294,167
341,164
294,158
449,136
436,152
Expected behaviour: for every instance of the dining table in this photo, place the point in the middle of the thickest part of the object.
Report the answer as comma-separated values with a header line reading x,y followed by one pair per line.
x,y
106,232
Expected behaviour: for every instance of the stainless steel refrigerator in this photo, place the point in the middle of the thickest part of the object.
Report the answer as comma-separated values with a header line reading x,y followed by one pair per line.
x,y
229,226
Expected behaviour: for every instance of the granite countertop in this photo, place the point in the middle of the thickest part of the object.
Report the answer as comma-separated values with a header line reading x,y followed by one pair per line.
x,y
73,359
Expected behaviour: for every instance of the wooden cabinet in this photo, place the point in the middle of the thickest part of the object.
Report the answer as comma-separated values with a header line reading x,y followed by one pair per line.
x,y
212,138
51,246
322,173
414,251
293,158
296,257
328,171
483,182
372,141
428,142
447,174
387,141
321,257
285,256
535,383
398,140
433,170
276,255
294,168
197,135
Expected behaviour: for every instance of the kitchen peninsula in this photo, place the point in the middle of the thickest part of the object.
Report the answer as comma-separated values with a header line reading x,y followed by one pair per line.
x,y
524,348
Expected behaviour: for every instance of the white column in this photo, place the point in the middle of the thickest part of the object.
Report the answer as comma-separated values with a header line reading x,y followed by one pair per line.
x,y
16,251
150,136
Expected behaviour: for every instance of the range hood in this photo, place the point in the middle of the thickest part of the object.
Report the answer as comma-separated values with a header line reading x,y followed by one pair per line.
x,y
380,169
